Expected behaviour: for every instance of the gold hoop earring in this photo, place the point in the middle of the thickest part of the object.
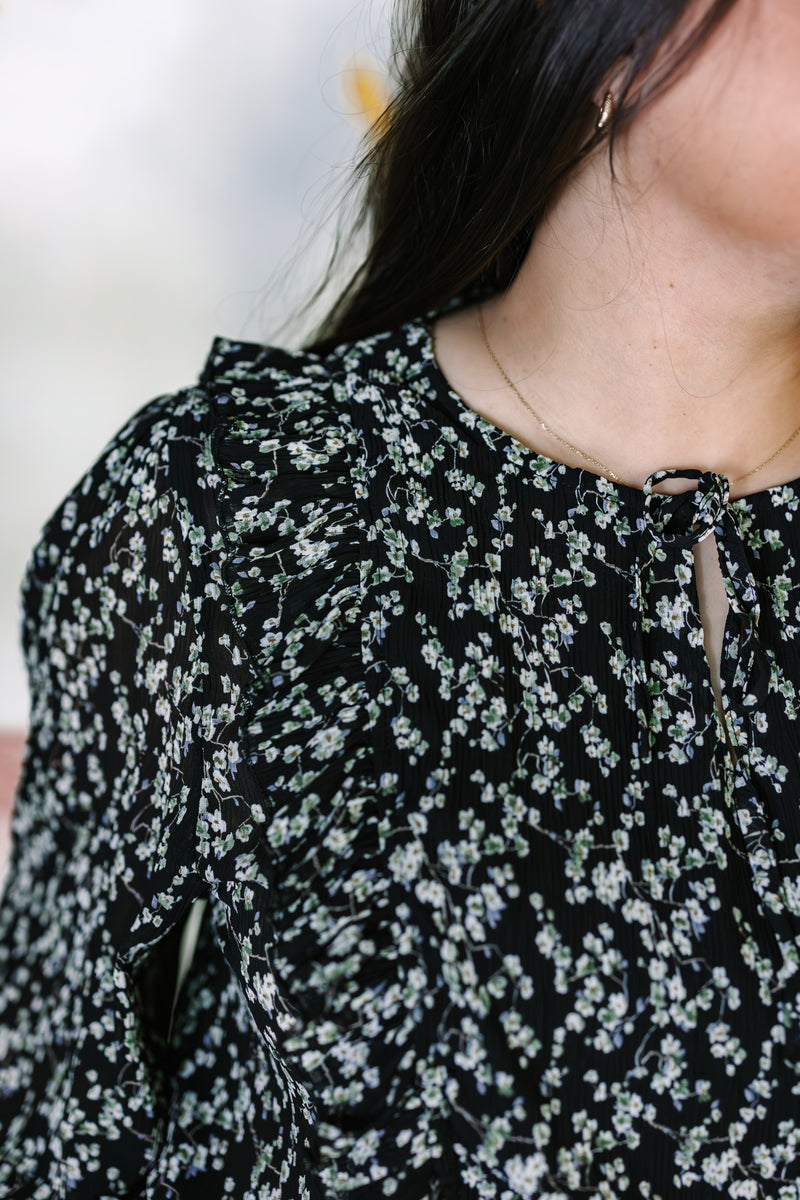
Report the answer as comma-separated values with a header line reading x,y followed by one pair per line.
x,y
606,112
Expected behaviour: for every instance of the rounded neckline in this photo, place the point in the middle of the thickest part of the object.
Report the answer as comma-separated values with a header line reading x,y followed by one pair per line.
x,y
549,466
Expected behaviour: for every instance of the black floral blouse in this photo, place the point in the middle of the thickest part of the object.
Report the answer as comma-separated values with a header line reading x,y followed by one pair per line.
x,y
488,907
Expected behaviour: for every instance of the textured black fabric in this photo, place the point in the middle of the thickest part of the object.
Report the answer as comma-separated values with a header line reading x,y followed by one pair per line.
x,y
492,909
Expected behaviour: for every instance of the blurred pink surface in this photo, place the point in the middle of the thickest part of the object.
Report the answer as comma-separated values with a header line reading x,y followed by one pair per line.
x,y
12,745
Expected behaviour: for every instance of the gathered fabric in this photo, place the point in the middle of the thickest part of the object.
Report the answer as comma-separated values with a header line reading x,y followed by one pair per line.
x,y
497,901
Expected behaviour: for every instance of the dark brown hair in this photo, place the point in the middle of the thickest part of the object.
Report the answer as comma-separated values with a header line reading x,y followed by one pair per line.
x,y
493,108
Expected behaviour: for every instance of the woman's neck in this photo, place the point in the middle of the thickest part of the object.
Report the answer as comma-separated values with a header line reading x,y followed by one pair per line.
x,y
647,340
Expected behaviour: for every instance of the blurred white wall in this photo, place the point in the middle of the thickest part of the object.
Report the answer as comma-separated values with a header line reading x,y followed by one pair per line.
x,y
160,162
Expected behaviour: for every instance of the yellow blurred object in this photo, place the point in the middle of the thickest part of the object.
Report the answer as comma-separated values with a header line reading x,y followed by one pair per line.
x,y
366,88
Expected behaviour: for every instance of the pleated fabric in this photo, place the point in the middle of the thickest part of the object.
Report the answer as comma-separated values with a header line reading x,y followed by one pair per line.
x,y
497,901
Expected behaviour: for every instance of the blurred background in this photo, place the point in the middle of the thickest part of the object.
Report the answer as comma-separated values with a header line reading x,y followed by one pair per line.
x,y
171,170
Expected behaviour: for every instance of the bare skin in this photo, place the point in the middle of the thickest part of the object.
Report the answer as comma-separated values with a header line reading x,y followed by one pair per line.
x,y
656,320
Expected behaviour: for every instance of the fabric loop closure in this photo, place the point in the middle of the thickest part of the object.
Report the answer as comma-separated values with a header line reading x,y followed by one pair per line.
x,y
684,518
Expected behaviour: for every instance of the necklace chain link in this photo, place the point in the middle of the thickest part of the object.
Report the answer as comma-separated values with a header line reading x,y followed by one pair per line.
x,y
604,470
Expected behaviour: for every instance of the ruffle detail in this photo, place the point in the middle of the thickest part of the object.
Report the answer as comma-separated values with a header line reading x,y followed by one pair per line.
x,y
304,858
291,526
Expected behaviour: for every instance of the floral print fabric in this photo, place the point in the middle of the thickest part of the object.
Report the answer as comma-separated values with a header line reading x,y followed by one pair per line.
x,y
497,902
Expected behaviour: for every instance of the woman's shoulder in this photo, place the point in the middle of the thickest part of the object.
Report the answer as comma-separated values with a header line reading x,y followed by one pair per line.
x,y
255,412
263,380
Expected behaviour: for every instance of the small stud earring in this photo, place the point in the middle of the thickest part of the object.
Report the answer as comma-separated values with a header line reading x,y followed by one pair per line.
x,y
606,112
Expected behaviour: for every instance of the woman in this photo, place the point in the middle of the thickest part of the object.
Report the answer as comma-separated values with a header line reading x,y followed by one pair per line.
x,y
454,667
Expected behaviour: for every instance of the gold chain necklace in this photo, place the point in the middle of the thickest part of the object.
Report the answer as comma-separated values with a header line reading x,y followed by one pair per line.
x,y
604,470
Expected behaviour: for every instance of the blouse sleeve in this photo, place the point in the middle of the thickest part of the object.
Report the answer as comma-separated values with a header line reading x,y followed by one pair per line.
x,y
134,686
